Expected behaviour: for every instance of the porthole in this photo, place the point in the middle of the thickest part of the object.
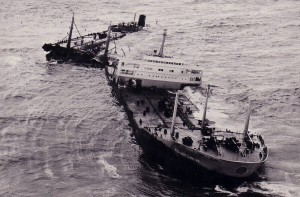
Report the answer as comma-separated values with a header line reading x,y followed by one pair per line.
x,y
241,170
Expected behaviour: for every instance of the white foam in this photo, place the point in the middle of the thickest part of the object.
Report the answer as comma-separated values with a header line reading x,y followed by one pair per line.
x,y
48,171
272,188
110,169
216,111
219,189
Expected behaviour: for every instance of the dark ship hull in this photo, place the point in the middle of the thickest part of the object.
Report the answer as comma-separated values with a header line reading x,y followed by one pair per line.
x,y
58,52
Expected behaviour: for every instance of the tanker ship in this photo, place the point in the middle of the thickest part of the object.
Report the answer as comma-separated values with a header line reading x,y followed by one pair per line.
x,y
163,122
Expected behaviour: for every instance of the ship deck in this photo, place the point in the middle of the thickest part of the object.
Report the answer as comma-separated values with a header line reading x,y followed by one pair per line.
x,y
145,108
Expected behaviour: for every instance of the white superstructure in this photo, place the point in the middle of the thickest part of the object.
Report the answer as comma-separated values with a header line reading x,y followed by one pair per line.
x,y
157,71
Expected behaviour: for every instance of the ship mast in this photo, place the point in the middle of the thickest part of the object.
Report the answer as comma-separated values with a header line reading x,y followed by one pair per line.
x,y
205,108
161,51
70,34
107,41
174,113
245,133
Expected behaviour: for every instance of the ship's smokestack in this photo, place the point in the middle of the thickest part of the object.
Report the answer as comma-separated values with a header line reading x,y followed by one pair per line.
x,y
142,20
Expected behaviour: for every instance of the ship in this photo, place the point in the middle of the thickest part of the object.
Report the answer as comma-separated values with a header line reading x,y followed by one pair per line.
x,y
132,26
162,117
84,49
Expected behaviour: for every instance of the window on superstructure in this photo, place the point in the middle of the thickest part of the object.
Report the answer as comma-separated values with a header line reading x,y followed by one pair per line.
x,y
171,71
160,69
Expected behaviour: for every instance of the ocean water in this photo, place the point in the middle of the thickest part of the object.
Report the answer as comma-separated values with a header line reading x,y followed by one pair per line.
x,y
62,133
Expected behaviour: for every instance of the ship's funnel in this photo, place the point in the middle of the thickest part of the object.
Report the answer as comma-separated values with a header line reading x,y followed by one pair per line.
x,y
205,108
142,20
245,133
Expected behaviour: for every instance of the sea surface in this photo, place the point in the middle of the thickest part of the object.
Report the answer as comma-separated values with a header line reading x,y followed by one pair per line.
x,y
62,133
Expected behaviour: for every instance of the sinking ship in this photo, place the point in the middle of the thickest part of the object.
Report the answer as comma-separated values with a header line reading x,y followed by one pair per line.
x,y
85,48
162,119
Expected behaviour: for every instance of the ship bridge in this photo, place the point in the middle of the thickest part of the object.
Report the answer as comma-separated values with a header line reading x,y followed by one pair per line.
x,y
159,72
